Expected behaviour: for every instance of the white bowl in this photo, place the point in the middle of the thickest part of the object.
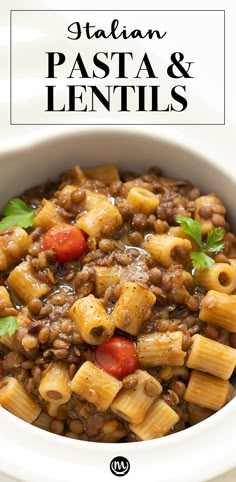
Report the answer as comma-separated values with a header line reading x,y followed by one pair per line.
x,y
198,453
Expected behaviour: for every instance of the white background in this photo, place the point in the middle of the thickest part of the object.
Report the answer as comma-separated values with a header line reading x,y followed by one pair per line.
x,y
217,141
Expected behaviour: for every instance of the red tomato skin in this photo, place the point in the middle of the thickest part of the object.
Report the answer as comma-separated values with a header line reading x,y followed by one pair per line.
x,y
67,242
117,356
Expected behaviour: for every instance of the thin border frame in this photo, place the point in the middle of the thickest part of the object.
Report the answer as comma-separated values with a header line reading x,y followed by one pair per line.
x,y
118,123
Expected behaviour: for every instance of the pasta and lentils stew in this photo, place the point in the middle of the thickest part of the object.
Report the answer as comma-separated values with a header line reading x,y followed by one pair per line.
x,y
117,305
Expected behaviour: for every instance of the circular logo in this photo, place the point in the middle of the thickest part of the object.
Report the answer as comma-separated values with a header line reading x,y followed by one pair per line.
x,y
119,466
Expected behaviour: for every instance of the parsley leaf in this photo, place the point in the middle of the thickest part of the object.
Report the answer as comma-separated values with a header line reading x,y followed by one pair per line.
x,y
214,242
8,325
16,213
201,260
191,227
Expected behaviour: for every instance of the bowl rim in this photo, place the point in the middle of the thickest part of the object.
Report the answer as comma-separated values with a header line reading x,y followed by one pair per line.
x,y
34,139
214,463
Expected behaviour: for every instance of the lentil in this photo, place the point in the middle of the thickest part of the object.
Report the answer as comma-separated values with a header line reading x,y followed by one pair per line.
x,y
56,426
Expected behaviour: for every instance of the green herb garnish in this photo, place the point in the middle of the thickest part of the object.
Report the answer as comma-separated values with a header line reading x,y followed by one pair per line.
x,y
16,213
200,260
8,325
213,244
191,227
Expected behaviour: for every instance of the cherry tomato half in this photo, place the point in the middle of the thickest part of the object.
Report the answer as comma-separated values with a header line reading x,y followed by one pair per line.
x,y
67,242
117,356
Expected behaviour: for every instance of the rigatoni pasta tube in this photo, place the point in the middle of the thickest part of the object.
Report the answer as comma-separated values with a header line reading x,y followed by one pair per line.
x,y
142,200
77,174
181,279
207,391
137,182
6,306
48,215
54,385
91,200
168,250
105,276
102,218
157,422
160,349
107,173
221,277
64,195
212,357
219,309
180,233
19,239
132,308
24,281
11,341
94,324
170,181
232,262
95,385
15,399
132,404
